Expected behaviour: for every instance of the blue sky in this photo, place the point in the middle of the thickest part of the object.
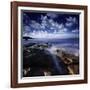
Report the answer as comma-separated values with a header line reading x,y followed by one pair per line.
x,y
50,24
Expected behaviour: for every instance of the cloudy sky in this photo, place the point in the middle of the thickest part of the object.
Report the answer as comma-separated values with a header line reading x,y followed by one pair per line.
x,y
50,25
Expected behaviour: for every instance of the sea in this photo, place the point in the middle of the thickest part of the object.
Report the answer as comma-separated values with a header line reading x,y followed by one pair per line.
x,y
71,45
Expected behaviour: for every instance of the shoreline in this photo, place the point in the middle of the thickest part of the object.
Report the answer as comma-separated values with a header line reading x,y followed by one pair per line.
x,y
69,60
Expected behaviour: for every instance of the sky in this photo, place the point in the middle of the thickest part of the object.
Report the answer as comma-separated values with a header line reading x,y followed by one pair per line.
x,y
50,24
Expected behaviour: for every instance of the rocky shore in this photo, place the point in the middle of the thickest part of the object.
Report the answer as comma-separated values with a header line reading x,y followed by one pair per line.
x,y
40,60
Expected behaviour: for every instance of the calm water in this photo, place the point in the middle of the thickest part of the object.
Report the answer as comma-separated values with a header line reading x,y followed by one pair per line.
x,y
71,42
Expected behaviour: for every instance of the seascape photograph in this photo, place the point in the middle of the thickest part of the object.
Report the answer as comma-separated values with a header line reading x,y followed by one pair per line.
x,y
50,43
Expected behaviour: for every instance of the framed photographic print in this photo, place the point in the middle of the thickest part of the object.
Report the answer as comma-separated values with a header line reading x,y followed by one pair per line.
x,y
48,44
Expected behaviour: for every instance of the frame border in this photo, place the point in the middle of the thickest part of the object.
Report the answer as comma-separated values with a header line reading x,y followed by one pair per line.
x,y
14,43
